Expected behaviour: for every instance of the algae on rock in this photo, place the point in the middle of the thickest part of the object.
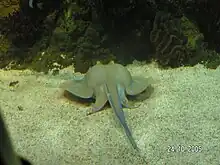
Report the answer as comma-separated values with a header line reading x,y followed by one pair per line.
x,y
194,36
177,41
168,40
89,50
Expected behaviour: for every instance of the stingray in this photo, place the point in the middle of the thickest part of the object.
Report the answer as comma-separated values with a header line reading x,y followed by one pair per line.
x,y
111,82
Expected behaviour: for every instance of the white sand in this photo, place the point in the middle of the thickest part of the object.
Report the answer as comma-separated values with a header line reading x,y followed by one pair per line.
x,y
48,129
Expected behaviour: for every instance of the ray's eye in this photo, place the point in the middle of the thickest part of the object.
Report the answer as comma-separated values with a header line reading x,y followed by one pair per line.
x,y
78,76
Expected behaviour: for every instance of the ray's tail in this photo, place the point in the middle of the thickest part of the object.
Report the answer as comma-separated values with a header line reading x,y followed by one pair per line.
x,y
116,105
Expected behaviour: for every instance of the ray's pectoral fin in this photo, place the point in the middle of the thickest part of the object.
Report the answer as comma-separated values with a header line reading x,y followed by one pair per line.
x,y
100,101
138,85
78,88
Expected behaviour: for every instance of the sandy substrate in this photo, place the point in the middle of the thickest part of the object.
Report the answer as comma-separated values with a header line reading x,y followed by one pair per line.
x,y
183,110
